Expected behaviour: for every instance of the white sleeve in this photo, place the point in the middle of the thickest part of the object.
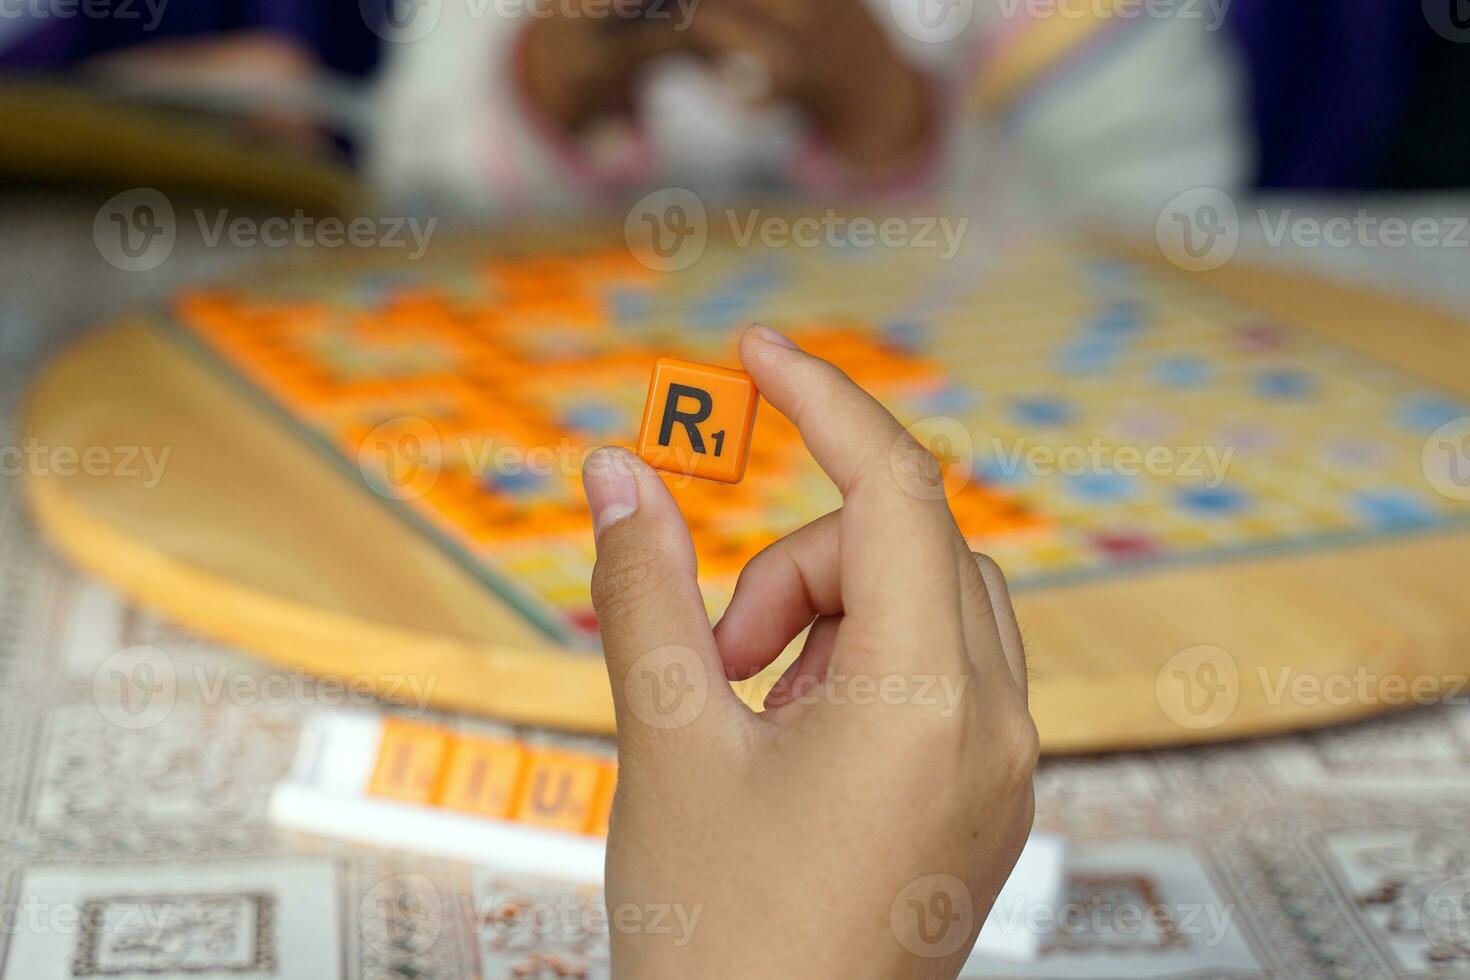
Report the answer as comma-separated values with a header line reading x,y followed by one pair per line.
x,y
450,130
1159,110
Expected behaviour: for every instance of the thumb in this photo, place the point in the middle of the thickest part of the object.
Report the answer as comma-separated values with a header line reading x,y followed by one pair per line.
x,y
661,655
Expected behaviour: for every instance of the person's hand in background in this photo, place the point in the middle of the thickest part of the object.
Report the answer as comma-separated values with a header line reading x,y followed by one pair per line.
x,y
829,59
835,63
864,824
582,62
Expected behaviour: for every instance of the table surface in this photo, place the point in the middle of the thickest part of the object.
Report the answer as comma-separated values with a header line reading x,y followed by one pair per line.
x,y
1341,853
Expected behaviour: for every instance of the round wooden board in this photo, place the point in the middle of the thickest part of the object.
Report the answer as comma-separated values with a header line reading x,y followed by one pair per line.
x,y
253,538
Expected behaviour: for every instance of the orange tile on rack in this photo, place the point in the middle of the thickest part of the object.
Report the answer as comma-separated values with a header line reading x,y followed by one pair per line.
x,y
607,786
698,420
410,758
482,776
559,790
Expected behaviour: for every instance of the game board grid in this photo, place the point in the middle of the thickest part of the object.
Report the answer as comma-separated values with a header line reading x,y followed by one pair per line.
x,y
1056,349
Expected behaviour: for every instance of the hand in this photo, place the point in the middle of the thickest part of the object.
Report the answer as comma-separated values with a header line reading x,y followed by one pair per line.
x,y
834,62
863,824
582,64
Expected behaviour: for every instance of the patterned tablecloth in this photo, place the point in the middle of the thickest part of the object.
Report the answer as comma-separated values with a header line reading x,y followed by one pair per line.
x,y
133,840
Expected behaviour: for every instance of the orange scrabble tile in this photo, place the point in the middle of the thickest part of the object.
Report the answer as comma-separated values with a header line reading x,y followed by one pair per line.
x,y
698,420
482,776
409,760
602,809
559,790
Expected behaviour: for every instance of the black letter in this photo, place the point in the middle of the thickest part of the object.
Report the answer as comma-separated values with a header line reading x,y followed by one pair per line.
x,y
686,419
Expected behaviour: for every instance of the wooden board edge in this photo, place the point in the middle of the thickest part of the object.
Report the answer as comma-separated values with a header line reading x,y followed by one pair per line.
x,y
508,682
1357,317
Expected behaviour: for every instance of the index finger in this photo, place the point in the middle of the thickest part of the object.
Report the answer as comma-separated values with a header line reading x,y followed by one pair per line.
x,y
895,543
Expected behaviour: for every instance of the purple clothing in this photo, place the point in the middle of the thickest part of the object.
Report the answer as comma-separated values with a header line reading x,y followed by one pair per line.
x,y
1330,84
336,32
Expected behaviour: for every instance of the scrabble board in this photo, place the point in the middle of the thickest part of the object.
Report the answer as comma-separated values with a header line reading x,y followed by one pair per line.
x,y
468,397
1106,425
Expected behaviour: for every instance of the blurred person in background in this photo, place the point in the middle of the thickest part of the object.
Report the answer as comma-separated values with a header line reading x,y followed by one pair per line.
x,y
527,106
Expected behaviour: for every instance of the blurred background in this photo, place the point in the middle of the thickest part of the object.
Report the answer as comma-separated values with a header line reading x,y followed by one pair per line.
x,y
475,111
150,144
521,106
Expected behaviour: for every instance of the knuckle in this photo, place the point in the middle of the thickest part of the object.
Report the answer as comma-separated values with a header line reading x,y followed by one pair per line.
x,y
823,383
912,462
828,376
763,562
625,578
990,570
1022,749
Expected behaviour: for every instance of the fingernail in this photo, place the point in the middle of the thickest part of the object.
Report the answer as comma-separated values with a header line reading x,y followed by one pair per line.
x,y
771,336
612,490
